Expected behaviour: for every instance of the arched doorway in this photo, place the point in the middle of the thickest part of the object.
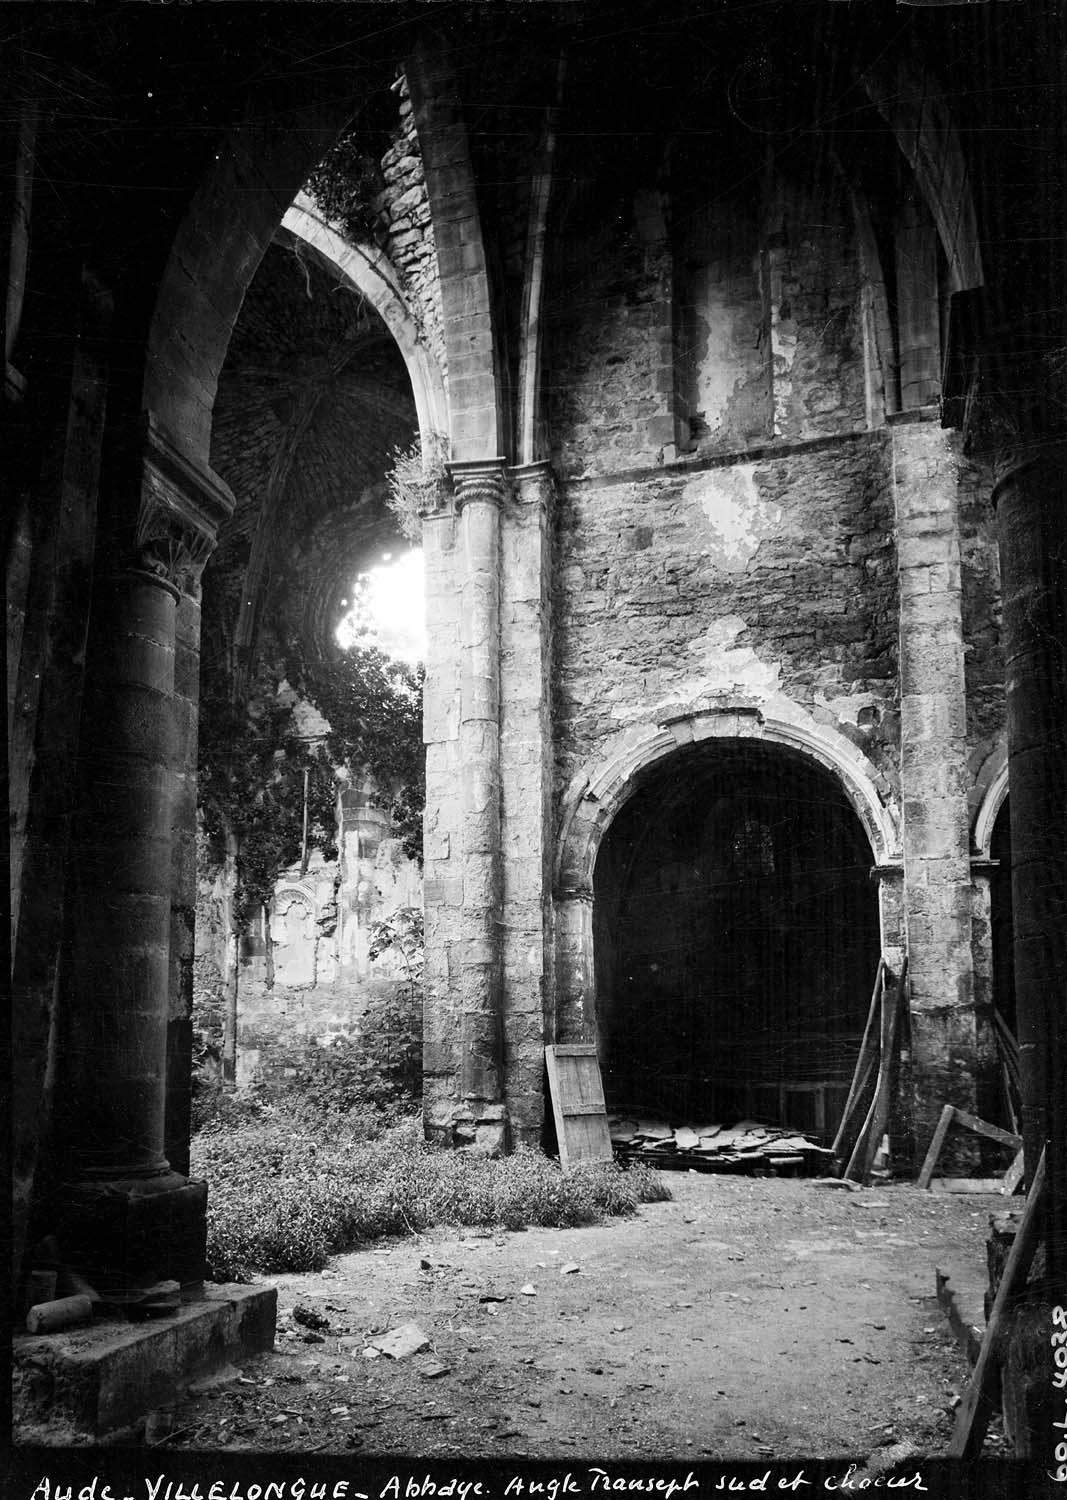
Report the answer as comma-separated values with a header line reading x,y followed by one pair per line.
x,y
736,937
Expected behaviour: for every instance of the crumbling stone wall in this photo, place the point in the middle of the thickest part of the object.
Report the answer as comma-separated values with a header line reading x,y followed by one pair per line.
x,y
980,607
730,584
406,227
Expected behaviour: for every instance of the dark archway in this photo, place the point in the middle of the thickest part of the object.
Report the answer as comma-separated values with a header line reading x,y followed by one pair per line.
x,y
736,939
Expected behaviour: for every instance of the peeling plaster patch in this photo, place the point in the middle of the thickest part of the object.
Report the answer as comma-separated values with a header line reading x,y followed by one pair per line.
x,y
739,520
847,709
728,671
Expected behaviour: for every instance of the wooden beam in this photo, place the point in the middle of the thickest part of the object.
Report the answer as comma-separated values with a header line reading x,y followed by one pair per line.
x,y
991,1132
973,1413
936,1143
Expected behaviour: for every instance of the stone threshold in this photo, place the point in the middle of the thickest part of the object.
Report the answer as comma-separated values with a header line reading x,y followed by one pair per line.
x,y
86,1383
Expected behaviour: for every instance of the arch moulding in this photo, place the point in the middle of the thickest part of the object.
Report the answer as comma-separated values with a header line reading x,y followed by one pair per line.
x,y
367,271
990,791
598,791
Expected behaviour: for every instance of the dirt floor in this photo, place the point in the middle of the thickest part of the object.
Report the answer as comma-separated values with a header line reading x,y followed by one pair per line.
x,y
747,1318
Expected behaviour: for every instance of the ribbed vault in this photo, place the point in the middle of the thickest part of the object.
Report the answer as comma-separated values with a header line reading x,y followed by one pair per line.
x,y
313,399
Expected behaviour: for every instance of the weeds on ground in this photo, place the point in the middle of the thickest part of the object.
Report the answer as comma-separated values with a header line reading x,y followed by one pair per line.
x,y
285,1196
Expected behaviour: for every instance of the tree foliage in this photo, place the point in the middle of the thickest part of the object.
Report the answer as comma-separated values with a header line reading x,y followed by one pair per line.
x,y
251,791
252,763
373,704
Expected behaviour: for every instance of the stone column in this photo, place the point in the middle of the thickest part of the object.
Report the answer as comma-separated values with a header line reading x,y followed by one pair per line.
x,y
479,491
933,768
1029,498
575,982
989,1089
123,1215
442,885
526,788
183,873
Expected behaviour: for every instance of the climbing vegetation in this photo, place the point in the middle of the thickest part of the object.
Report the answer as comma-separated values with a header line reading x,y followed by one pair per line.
x,y
418,482
252,764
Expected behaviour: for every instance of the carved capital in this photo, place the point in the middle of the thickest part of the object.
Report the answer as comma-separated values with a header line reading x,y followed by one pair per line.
x,y
182,505
533,484
171,552
478,482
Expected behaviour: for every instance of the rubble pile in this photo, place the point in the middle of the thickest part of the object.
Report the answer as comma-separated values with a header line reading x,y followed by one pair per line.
x,y
745,1147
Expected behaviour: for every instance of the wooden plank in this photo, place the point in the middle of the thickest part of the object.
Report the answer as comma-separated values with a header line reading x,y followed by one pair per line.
x,y
967,1185
973,1413
991,1132
936,1143
863,1153
577,1094
864,1063
1013,1176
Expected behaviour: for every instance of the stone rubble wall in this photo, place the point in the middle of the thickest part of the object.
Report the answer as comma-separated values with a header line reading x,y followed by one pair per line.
x,y
731,585
407,234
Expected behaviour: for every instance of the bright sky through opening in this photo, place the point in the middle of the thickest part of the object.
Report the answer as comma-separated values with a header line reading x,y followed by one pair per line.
x,y
388,609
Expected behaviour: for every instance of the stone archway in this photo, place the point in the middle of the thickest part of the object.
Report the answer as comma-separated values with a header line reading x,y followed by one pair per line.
x,y
600,791
735,936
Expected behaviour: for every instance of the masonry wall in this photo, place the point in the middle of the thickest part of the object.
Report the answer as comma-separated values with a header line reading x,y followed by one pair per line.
x,y
734,584
318,982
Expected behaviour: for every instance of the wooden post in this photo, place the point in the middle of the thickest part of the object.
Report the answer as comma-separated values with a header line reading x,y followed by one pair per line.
x,y
972,1416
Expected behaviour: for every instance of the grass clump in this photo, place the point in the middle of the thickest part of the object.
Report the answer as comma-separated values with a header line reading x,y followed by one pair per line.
x,y
284,1196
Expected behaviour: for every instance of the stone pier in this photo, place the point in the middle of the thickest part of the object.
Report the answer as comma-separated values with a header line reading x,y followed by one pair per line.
x,y
933,768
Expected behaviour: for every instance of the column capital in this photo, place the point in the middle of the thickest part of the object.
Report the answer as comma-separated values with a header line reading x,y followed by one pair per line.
x,y
533,484
182,504
478,481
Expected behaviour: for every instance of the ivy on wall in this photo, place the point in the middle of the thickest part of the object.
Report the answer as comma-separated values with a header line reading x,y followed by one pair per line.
x,y
252,763
373,705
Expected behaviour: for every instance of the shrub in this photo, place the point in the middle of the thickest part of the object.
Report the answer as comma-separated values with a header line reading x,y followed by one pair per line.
x,y
285,1195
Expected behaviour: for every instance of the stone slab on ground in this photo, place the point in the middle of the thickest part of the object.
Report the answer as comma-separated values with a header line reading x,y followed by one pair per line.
x,y
105,1377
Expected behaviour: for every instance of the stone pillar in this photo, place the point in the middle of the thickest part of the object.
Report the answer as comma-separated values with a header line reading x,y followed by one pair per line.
x,y
183,873
933,769
989,1090
479,491
442,885
123,1215
575,982
1031,523
526,790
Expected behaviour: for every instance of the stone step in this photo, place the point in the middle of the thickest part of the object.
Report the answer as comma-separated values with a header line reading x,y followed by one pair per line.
x,y
102,1379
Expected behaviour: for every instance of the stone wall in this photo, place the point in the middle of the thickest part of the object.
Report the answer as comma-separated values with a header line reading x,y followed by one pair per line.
x,y
743,583
715,327
406,230
318,981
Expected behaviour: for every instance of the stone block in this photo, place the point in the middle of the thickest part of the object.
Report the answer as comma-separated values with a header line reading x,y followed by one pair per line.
x,y
110,1374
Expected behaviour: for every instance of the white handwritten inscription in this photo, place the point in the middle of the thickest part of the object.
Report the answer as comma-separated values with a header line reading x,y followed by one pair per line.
x,y
1059,1383
594,1481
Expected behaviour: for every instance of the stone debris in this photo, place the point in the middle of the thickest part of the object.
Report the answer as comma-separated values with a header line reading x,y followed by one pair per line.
x,y
399,1342
309,1318
714,1148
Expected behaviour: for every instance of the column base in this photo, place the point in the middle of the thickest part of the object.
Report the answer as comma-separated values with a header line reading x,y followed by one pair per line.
x,y
481,1126
126,1235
